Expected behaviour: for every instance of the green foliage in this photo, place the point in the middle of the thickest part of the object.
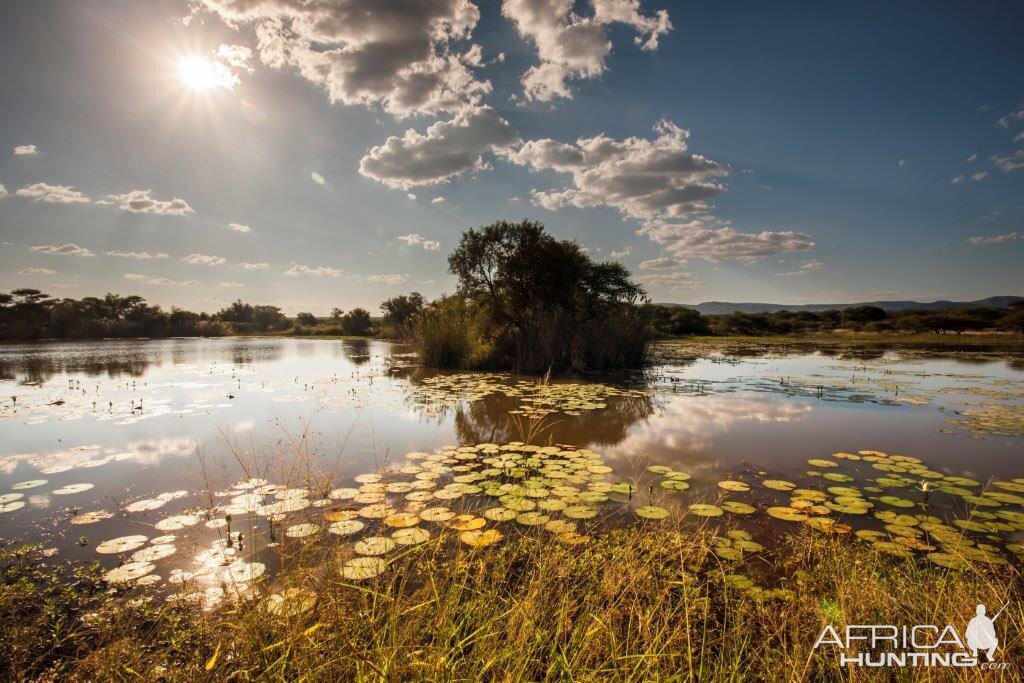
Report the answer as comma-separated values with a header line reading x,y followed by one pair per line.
x,y
31,314
452,333
305,318
249,318
357,322
399,311
536,304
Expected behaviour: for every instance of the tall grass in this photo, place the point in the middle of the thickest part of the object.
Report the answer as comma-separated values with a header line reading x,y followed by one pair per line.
x,y
452,333
645,603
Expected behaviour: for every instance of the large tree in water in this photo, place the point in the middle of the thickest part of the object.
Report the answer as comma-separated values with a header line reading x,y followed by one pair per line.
x,y
542,304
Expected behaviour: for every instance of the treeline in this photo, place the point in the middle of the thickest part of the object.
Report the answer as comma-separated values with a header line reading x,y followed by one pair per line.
x,y
676,321
32,314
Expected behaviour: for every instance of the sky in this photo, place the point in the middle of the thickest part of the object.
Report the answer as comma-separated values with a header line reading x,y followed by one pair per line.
x,y
314,154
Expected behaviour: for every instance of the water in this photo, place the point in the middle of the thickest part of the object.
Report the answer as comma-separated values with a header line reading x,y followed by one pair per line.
x,y
139,418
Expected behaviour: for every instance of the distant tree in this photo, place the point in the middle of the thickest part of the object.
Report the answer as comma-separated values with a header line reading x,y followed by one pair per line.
x,y
305,318
336,314
860,315
687,321
357,321
399,309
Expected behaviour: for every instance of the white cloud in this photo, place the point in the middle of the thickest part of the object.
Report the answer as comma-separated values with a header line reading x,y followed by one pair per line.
x,y
625,251
389,279
204,260
399,55
140,201
138,255
715,240
1010,162
53,194
570,46
437,200
679,281
806,268
416,239
36,271
639,177
298,269
26,150
971,158
150,280
902,163
3,190
662,263
980,175
447,150
231,285
411,196
426,282
956,180
239,227
995,239
261,265
63,249
64,285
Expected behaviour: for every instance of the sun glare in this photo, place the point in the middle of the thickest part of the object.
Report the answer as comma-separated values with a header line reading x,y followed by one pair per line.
x,y
200,73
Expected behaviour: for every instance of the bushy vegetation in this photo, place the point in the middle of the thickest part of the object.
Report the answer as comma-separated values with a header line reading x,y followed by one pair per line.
x,y
398,314
676,321
31,314
528,302
646,603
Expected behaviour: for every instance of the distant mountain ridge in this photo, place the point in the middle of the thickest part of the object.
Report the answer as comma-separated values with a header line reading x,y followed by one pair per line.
x,y
725,307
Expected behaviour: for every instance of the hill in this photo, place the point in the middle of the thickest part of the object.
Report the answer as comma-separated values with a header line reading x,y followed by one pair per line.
x,y
725,307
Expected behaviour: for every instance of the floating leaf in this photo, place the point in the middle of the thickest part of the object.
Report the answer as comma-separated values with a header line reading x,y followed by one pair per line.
x,y
480,538
361,568
121,544
290,602
374,545
651,512
410,536
705,510
736,486
129,572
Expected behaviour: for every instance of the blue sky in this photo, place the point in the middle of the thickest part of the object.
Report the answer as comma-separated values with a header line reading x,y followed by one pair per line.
x,y
788,152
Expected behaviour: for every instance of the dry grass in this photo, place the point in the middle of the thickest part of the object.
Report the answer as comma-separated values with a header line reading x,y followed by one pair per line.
x,y
645,603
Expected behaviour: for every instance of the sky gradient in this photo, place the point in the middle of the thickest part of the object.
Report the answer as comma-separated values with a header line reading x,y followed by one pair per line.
x,y
320,154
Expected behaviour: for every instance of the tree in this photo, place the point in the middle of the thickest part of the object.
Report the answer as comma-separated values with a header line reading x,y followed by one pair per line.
x,y
399,309
687,321
545,304
860,315
336,314
357,321
305,318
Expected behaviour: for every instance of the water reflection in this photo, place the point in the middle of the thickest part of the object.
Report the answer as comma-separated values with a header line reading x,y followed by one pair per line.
x,y
489,420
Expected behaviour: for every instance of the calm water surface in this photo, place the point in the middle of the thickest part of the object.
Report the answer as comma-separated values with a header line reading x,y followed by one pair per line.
x,y
138,418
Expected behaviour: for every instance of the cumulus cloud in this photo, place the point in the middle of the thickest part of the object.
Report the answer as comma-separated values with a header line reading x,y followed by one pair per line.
x,y
715,240
239,227
63,249
980,175
1010,162
678,281
448,149
204,260
150,280
298,269
231,285
260,265
995,239
53,194
806,268
620,253
400,54
437,200
956,180
639,177
416,239
35,271
141,201
25,150
662,263
138,255
570,46
388,279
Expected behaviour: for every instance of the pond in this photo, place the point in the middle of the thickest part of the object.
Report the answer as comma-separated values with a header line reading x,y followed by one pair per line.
x,y
143,453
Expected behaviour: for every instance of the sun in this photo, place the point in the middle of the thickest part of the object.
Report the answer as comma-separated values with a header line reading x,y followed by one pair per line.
x,y
201,73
